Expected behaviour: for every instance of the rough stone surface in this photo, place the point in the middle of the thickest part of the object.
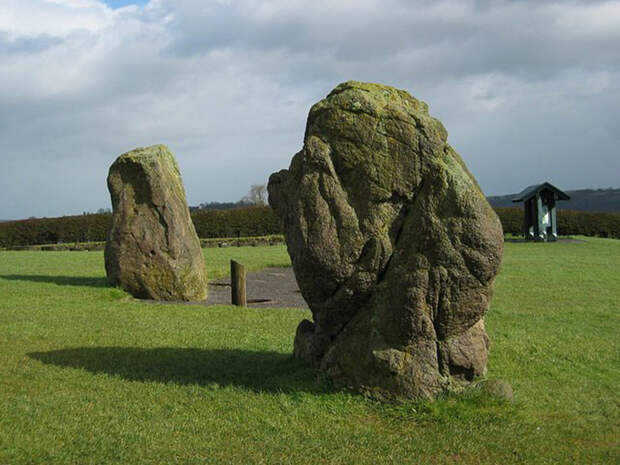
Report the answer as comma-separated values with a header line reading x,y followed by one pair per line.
x,y
393,244
152,251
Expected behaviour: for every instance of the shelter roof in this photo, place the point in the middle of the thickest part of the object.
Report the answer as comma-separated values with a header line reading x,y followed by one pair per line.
x,y
531,191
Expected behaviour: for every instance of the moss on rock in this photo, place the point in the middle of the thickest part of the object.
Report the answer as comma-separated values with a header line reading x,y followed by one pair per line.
x,y
394,246
152,250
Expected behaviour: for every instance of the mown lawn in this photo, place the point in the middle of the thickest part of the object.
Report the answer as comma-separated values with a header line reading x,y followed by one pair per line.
x,y
90,376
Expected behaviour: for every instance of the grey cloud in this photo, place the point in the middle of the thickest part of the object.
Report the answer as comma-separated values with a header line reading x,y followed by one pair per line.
x,y
508,37
228,86
26,45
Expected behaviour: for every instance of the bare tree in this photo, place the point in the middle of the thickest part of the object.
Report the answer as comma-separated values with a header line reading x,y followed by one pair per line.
x,y
257,195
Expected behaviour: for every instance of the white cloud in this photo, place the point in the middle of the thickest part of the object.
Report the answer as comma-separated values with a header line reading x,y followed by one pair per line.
x,y
58,18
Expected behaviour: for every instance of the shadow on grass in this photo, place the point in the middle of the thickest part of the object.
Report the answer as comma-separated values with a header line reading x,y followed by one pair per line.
x,y
60,280
256,371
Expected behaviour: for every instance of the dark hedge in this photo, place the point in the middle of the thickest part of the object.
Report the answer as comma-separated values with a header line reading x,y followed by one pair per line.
x,y
259,221
511,218
246,221
82,228
570,222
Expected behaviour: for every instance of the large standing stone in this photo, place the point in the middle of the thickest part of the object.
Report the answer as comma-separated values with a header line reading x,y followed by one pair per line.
x,y
394,246
152,251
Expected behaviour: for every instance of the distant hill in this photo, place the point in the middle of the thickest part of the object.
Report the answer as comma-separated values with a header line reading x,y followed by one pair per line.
x,y
592,200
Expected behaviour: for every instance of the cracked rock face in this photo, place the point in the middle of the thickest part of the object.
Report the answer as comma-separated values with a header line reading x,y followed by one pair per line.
x,y
394,246
152,251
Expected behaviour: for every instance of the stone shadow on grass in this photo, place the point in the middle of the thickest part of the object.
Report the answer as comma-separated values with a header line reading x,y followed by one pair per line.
x,y
91,281
257,371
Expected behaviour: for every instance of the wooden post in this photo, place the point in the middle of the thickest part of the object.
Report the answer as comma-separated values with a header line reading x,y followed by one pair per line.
x,y
237,284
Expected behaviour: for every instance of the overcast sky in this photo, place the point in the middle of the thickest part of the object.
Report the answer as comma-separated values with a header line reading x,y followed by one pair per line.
x,y
528,90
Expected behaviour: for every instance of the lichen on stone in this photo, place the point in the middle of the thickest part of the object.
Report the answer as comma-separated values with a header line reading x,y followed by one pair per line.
x,y
393,244
152,250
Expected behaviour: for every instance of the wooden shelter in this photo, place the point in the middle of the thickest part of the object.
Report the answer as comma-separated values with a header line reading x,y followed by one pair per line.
x,y
539,206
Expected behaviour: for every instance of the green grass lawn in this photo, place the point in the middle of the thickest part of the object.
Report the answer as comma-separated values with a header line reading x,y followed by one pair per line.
x,y
90,376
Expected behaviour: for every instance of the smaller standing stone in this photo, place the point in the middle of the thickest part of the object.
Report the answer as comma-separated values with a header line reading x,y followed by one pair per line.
x,y
152,250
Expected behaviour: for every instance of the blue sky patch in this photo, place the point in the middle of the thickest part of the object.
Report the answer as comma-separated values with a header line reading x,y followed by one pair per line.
x,y
121,3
